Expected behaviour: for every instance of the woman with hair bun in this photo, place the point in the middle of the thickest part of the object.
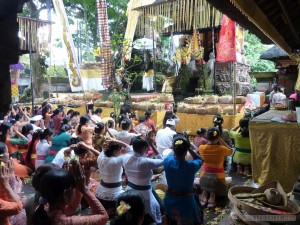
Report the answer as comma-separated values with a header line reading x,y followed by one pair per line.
x,y
139,172
224,133
57,189
242,154
110,162
212,177
180,201
84,131
61,140
130,209
43,147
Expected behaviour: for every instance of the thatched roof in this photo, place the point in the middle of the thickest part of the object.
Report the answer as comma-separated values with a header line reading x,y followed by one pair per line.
x,y
274,53
156,2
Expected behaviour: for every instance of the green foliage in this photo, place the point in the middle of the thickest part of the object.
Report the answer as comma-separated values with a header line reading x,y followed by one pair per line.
x,y
253,49
57,71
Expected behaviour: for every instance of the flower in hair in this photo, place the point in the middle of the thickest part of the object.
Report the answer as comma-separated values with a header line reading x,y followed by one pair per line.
x,y
215,133
215,119
123,208
123,122
178,142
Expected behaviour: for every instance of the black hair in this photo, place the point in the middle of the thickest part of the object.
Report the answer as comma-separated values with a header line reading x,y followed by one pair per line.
x,y
168,115
109,152
18,117
132,115
75,113
46,133
98,110
44,103
99,127
4,127
2,147
65,120
148,113
142,119
212,133
201,131
180,145
83,120
139,142
125,124
40,172
36,136
70,111
55,112
110,123
121,118
244,123
112,115
75,140
135,214
64,128
125,108
26,129
52,187
45,110
218,121
150,66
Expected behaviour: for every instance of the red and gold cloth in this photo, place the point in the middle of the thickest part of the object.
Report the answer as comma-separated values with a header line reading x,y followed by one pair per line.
x,y
106,56
226,51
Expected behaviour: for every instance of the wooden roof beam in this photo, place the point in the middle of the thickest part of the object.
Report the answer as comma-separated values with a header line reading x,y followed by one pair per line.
x,y
288,19
251,10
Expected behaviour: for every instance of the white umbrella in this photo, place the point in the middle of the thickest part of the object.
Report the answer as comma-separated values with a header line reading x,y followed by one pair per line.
x,y
144,43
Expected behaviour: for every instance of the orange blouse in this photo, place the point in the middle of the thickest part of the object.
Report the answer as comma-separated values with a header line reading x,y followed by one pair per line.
x,y
213,157
7,209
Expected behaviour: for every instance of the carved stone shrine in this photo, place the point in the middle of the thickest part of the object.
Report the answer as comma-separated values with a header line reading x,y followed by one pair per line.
x,y
224,79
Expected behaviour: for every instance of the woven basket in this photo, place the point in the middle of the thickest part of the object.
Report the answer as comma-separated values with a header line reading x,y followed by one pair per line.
x,y
293,207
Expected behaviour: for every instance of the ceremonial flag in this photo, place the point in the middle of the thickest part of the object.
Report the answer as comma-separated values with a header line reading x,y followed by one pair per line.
x,y
226,51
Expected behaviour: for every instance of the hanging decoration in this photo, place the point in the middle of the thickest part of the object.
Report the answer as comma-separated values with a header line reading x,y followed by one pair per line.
x,y
105,48
73,66
226,51
178,16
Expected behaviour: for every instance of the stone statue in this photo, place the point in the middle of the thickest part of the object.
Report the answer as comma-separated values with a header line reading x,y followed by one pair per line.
x,y
211,67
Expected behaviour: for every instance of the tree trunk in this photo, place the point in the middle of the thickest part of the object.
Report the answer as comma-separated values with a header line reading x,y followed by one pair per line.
x,y
36,66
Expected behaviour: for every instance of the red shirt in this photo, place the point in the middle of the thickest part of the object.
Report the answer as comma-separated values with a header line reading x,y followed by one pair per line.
x,y
57,123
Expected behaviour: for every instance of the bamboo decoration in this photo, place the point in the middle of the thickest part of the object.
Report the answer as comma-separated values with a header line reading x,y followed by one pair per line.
x,y
183,14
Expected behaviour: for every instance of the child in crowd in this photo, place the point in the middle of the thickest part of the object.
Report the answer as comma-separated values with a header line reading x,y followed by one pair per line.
x,y
200,139
130,209
212,177
242,154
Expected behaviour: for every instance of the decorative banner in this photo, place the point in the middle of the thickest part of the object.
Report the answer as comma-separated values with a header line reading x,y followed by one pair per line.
x,y
14,77
73,67
226,51
105,49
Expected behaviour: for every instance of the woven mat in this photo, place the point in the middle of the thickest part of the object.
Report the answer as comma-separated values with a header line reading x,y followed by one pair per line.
x,y
271,114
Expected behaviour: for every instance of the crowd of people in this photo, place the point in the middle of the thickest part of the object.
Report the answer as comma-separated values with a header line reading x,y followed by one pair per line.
x,y
62,152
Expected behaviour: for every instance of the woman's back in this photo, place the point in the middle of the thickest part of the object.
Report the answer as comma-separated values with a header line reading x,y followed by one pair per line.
x,y
213,155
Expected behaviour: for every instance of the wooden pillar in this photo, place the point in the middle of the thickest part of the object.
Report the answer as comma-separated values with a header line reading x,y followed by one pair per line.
x,y
5,90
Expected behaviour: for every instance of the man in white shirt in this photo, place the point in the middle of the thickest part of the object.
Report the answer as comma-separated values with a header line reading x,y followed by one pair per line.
x,y
36,122
111,125
164,137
